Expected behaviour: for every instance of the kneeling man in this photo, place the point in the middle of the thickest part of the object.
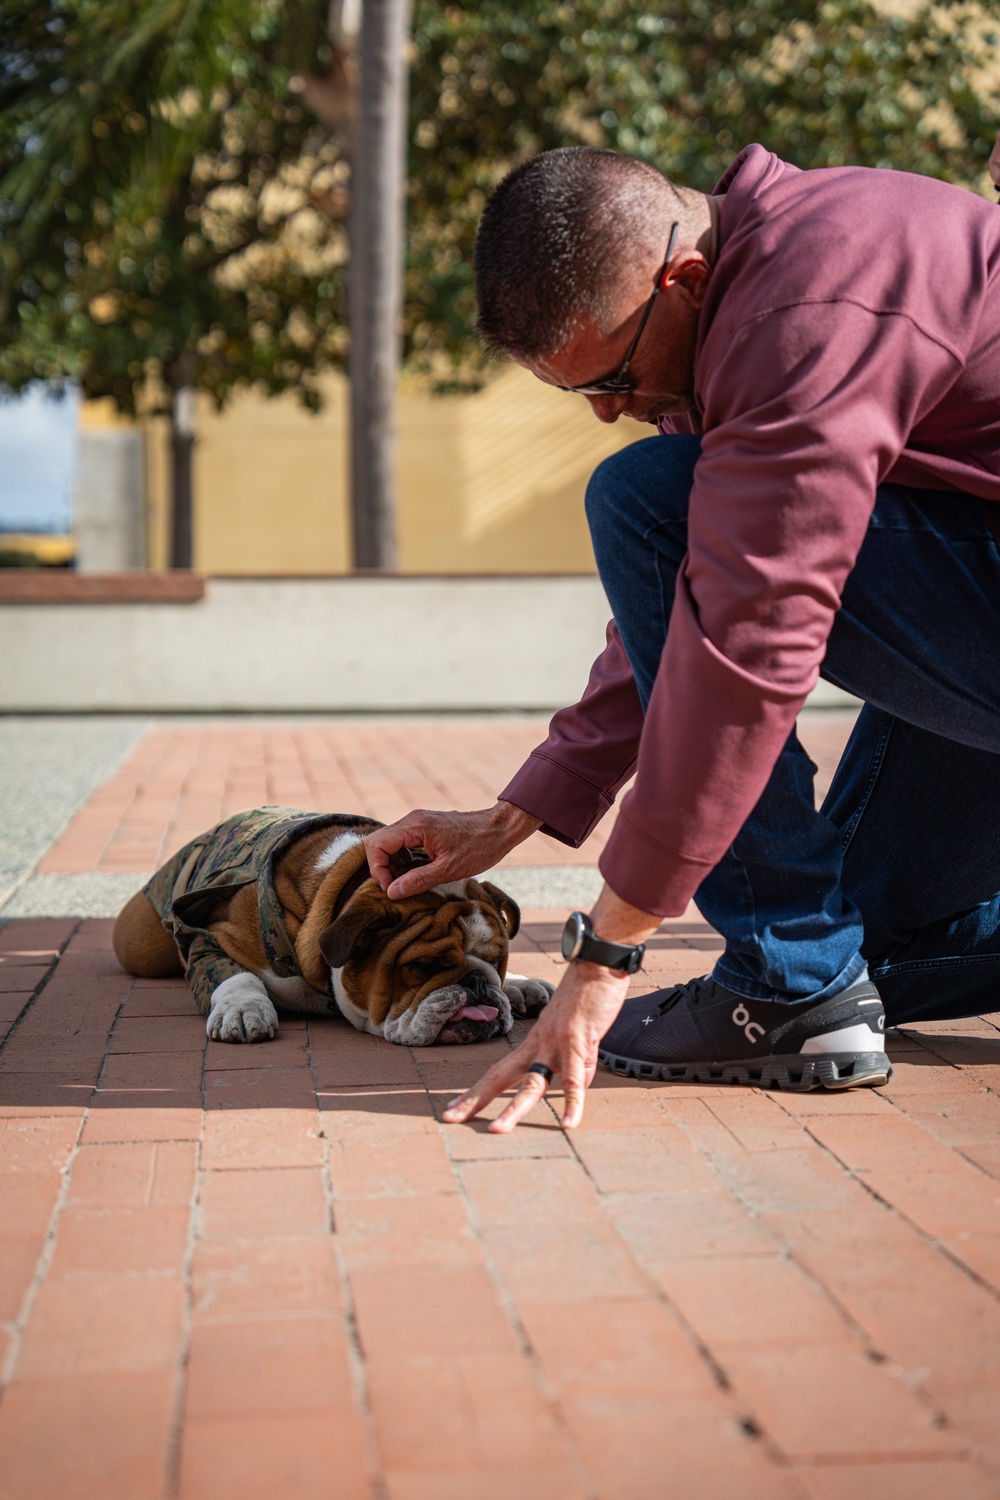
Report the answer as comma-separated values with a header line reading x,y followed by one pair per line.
x,y
820,353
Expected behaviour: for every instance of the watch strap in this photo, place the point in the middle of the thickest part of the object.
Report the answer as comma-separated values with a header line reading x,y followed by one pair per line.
x,y
621,956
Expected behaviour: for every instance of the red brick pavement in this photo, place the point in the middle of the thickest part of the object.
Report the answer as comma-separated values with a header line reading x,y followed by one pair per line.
x,y
180,780
268,1271
263,1271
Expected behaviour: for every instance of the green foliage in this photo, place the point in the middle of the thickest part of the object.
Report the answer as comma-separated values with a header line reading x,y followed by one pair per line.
x,y
155,184
685,85
159,180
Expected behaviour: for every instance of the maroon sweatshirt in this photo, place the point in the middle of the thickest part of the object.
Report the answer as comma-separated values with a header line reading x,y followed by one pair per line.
x,y
850,336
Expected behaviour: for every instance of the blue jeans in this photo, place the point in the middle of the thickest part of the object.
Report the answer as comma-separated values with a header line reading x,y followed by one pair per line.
x,y
900,869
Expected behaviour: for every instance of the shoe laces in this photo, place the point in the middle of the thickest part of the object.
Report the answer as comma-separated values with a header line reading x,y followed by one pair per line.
x,y
692,992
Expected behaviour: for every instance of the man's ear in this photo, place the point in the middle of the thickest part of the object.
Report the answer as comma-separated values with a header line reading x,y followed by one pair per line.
x,y
691,278
353,934
507,907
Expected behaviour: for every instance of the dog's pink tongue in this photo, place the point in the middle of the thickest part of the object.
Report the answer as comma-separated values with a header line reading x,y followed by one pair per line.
x,y
478,1012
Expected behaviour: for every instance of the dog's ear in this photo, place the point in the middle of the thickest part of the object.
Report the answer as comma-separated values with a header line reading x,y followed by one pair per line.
x,y
407,859
507,907
354,933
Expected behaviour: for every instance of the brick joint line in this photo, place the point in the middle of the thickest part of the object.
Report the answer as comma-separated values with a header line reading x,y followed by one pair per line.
x,y
348,1316
17,1328
932,1242
175,1440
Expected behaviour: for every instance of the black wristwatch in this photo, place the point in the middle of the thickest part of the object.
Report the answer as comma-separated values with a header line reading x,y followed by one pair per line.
x,y
580,946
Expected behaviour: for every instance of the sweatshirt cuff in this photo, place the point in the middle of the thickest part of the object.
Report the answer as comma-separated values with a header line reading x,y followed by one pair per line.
x,y
646,874
570,806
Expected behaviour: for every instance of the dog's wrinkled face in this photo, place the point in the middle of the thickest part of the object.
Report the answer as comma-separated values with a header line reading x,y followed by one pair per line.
x,y
426,969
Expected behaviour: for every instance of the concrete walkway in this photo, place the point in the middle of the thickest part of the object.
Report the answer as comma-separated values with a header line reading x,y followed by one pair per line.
x,y
268,1271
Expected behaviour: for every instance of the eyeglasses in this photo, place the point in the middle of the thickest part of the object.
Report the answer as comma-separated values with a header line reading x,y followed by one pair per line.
x,y
618,383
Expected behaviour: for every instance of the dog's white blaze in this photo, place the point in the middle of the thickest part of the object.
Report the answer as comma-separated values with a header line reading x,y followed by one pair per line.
x,y
480,965
477,930
335,848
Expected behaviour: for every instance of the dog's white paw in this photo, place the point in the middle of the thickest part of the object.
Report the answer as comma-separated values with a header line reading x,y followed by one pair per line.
x,y
527,996
241,1011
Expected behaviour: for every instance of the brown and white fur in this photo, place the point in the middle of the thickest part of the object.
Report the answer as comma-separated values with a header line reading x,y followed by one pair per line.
x,y
430,968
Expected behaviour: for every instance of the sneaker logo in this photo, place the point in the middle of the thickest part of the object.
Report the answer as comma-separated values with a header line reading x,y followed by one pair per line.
x,y
741,1018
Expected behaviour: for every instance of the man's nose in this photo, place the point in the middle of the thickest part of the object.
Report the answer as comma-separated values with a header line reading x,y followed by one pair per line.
x,y
607,408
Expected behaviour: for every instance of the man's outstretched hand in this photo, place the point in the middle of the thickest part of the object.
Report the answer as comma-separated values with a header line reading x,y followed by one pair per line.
x,y
565,1038
567,1034
459,844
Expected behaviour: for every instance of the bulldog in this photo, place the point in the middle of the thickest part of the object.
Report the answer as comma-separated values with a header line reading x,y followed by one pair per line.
x,y
279,907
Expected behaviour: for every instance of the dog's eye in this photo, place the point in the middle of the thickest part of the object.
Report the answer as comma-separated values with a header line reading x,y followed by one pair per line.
x,y
425,968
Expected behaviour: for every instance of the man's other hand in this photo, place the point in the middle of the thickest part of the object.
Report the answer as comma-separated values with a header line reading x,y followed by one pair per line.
x,y
458,843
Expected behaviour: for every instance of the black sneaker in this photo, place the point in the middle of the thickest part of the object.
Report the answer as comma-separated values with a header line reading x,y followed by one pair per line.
x,y
700,1032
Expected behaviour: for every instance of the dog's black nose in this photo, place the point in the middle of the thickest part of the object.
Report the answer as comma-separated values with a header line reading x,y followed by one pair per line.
x,y
477,984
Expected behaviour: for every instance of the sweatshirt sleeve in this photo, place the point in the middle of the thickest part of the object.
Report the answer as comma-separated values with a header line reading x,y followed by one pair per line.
x,y
807,410
571,780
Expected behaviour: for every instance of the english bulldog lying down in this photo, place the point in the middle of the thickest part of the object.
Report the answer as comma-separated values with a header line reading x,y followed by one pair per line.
x,y
279,906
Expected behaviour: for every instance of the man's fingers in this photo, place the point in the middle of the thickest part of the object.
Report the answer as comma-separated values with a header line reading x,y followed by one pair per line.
x,y
499,1077
530,1093
385,844
496,1082
576,1081
414,881
381,845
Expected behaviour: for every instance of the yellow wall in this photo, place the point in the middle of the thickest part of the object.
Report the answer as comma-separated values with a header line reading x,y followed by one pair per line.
x,y
492,482
269,486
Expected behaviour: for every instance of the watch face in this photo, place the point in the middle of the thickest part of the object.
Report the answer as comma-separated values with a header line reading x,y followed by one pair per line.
x,y
573,934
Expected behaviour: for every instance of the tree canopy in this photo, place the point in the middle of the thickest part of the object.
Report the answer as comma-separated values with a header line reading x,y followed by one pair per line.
x,y
157,178
683,84
166,197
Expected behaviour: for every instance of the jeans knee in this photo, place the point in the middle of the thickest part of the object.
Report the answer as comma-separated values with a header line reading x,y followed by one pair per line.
x,y
603,500
642,487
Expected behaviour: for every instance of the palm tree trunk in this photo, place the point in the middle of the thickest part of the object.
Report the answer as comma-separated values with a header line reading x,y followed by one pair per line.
x,y
376,273
181,467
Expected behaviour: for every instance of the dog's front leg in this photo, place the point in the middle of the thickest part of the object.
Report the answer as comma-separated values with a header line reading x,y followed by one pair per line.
x,y
527,996
241,1011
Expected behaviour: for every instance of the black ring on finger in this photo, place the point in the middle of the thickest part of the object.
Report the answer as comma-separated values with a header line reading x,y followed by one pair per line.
x,y
541,1068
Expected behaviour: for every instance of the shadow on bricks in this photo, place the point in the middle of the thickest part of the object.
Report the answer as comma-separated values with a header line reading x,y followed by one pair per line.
x,y
269,1270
